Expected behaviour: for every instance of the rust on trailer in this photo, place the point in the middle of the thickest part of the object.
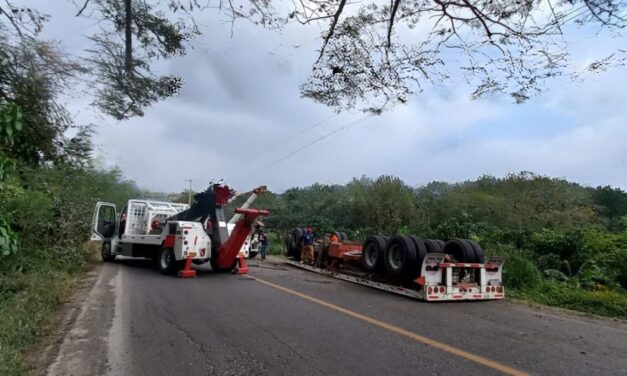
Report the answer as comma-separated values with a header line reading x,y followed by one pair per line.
x,y
337,250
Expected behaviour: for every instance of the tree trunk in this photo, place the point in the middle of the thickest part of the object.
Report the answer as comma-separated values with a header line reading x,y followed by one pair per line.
x,y
129,34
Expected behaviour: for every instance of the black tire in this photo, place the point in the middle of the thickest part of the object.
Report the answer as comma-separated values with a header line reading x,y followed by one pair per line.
x,y
252,254
296,254
344,237
472,254
373,252
460,250
216,269
434,245
401,258
167,262
479,257
421,249
295,237
105,252
287,247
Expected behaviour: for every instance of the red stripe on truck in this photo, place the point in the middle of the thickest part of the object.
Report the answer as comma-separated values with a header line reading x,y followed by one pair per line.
x,y
169,241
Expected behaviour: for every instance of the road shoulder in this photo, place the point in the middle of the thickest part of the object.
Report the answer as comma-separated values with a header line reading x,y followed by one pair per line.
x,y
78,340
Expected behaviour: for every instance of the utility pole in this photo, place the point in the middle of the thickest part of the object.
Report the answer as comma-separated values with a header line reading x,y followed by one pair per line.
x,y
189,200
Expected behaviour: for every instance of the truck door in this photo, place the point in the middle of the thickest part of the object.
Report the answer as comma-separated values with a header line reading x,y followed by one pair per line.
x,y
103,224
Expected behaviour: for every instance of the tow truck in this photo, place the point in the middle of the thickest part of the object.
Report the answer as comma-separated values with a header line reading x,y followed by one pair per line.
x,y
175,235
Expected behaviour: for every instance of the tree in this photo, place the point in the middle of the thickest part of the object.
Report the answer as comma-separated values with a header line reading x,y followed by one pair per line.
x,y
116,71
373,55
377,53
33,74
613,205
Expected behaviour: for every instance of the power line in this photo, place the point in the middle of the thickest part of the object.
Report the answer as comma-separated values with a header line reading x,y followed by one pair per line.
x,y
329,134
575,16
299,133
566,17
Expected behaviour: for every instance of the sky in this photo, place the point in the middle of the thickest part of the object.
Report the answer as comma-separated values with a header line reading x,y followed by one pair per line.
x,y
240,109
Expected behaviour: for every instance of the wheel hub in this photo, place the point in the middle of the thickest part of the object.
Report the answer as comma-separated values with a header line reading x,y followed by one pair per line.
x,y
395,258
166,258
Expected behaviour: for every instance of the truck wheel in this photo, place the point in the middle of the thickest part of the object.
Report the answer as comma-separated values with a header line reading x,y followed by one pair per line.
x,y
287,247
296,253
344,237
294,246
479,257
105,252
297,234
459,250
401,259
167,262
434,245
252,254
421,249
372,253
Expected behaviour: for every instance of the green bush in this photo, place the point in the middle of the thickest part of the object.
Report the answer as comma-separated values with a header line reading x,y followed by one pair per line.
x,y
520,273
567,295
53,220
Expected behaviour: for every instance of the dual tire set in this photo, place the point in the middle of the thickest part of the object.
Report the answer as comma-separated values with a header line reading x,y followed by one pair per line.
x,y
291,246
401,256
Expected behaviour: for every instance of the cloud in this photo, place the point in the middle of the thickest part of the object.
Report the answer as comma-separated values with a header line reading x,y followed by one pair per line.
x,y
241,98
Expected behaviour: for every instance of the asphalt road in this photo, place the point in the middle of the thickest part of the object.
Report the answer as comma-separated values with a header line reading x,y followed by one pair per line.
x,y
279,320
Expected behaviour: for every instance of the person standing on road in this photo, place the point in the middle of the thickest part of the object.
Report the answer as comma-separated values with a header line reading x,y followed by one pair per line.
x,y
308,240
264,244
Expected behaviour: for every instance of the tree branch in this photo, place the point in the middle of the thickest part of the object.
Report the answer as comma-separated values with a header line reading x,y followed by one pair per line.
x,y
10,18
392,17
336,17
80,12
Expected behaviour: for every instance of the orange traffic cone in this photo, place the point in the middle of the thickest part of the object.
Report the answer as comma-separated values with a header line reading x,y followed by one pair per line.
x,y
242,267
187,271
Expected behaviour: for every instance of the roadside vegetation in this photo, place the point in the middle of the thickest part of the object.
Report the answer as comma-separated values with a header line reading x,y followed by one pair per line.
x,y
49,184
565,244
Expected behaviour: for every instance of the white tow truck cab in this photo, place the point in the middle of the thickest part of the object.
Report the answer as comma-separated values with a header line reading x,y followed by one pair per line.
x,y
156,230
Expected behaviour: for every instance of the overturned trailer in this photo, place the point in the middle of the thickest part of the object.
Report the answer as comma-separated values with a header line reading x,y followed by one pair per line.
x,y
425,269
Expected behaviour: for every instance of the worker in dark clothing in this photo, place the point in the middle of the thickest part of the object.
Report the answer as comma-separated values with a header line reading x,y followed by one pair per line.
x,y
307,252
264,244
